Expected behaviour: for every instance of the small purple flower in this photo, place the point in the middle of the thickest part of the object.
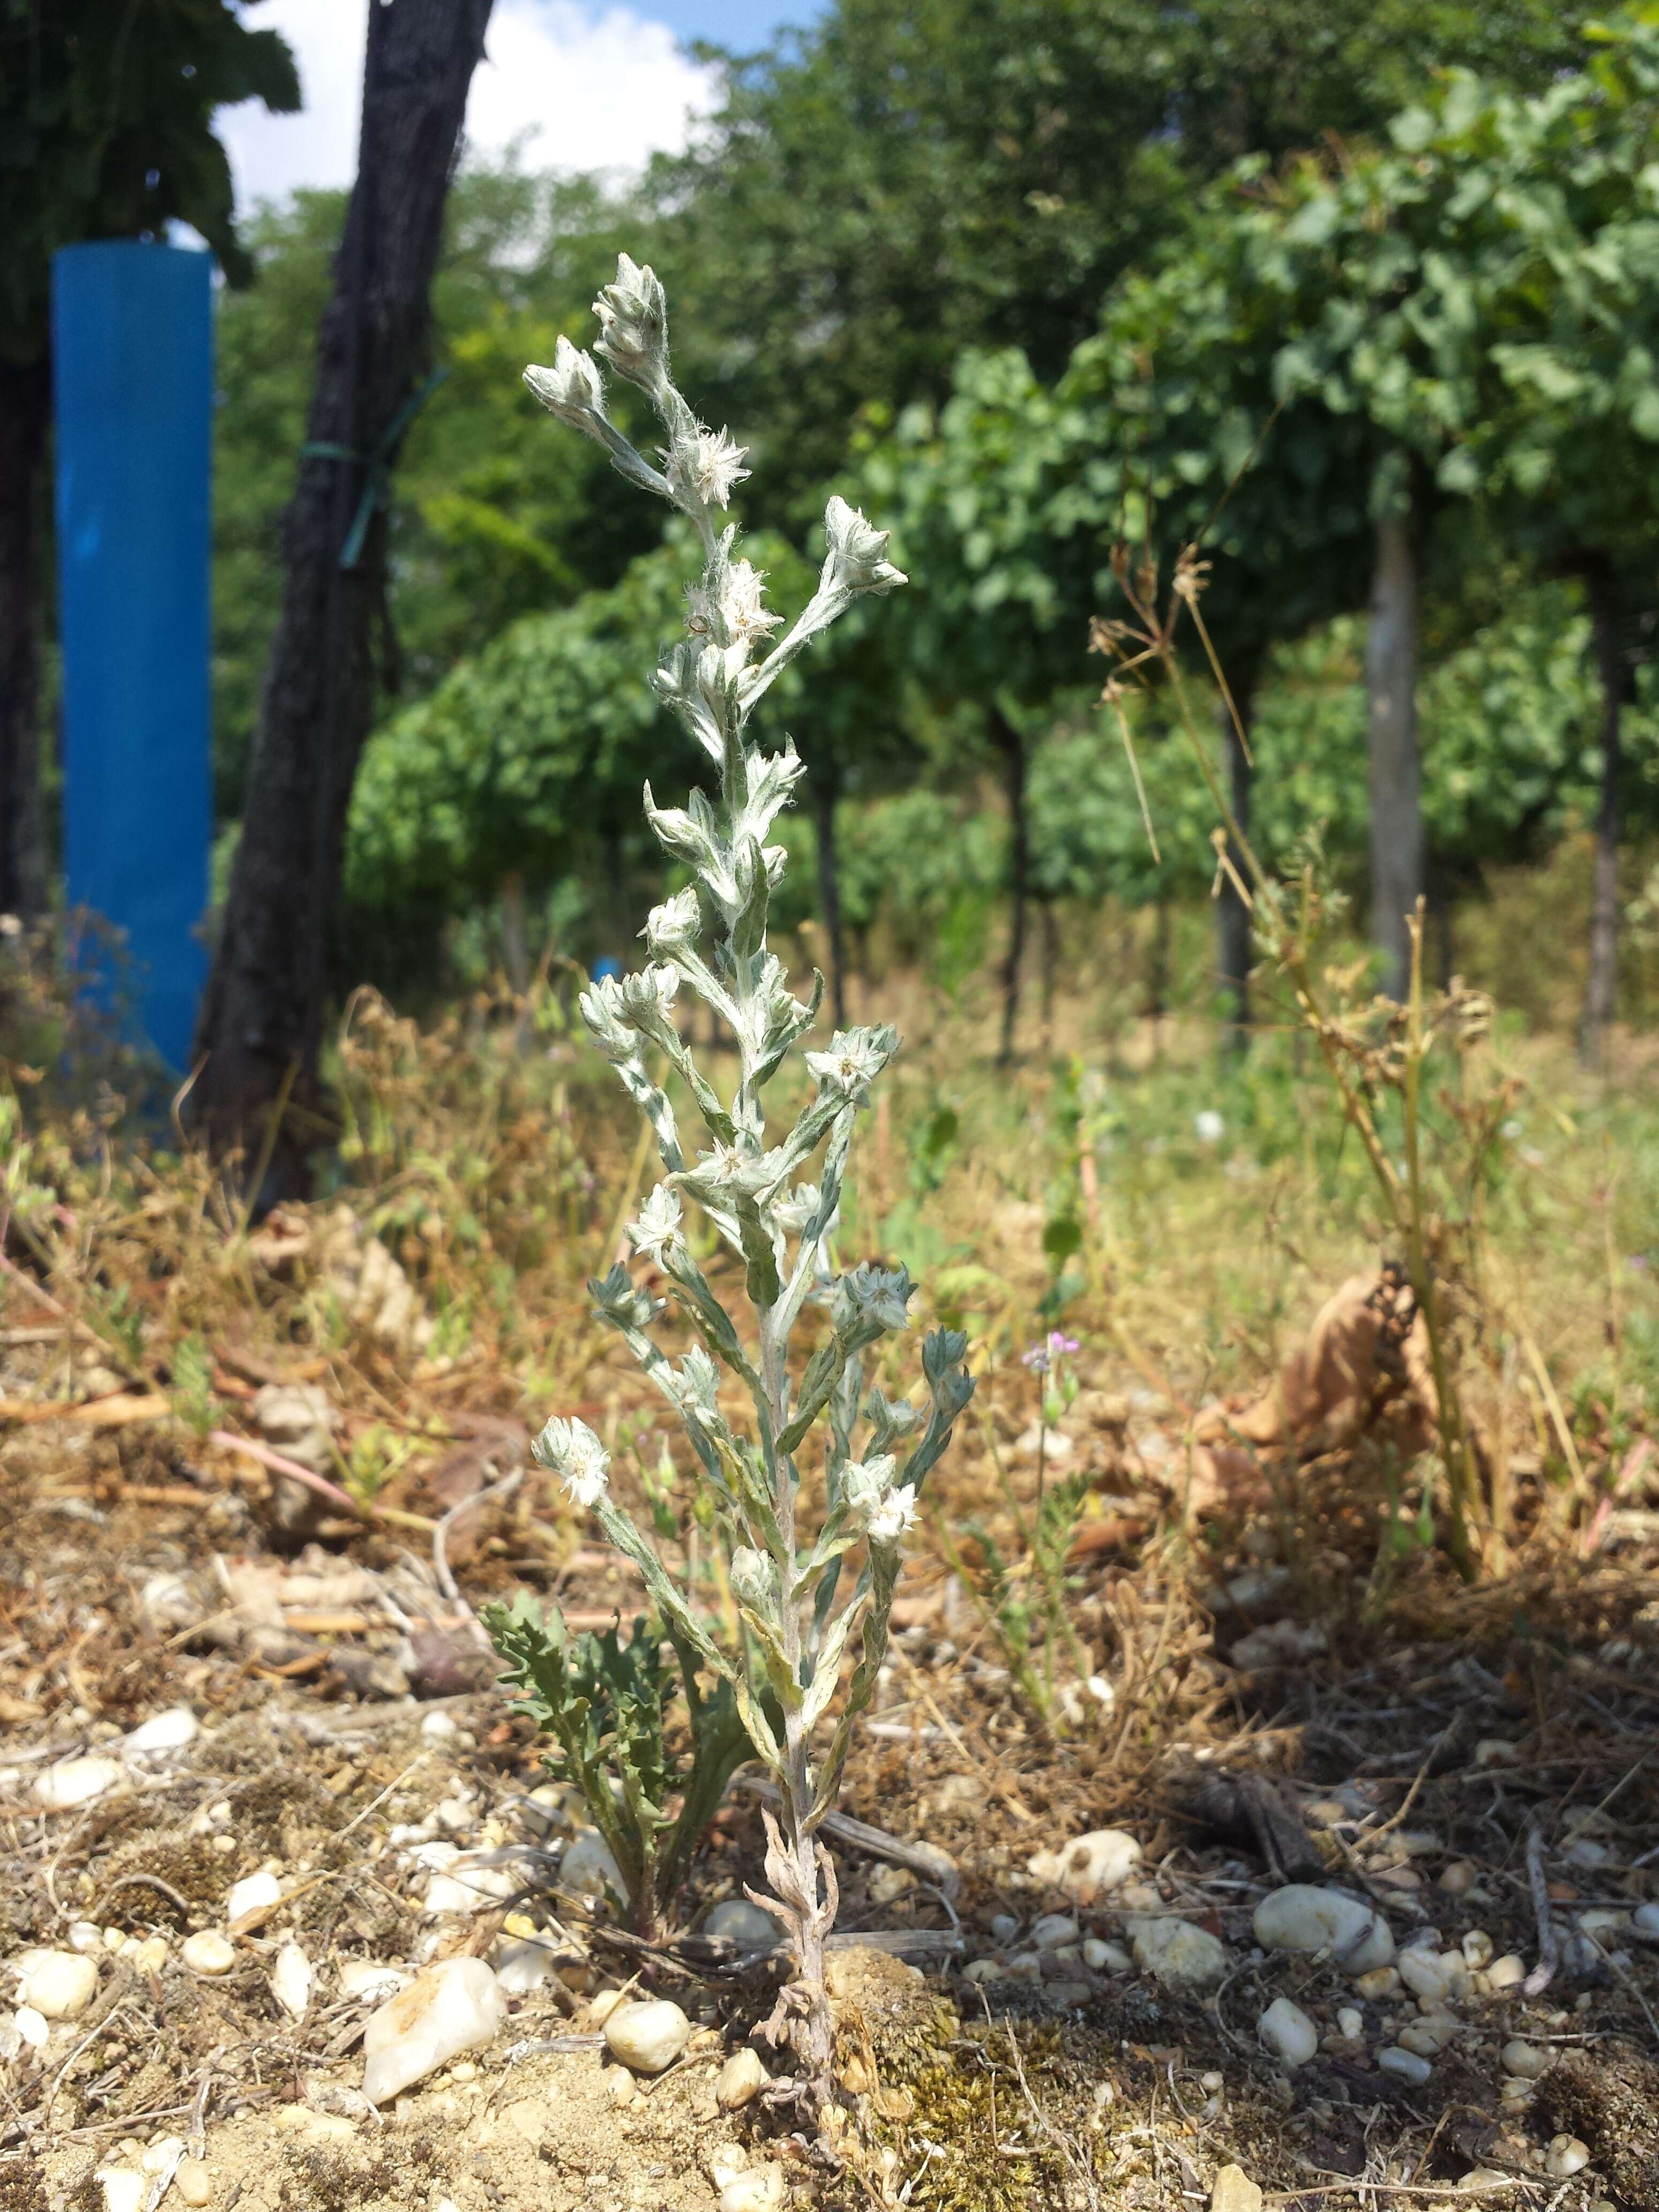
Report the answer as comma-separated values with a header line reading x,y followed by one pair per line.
x,y
1041,1356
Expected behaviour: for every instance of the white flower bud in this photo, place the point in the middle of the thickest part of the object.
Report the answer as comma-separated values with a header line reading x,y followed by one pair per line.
x,y
857,559
633,316
754,1582
878,1294
865,1484
572,389
674,927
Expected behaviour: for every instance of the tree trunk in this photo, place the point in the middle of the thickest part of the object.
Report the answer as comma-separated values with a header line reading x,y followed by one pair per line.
x,y
1232,916
260,1031
1391,721
1438,917
826,791
1010,743
25,412
1604,898
1048,936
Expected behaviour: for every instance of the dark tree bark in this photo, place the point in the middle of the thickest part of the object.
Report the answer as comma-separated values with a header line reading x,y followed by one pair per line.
x,y
1600,989
1391,726
1232,916
1010,743
1049,937
260,1031
25,413
826,791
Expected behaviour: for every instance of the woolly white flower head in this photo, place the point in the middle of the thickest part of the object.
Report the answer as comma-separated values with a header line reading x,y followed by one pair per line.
x,y
656,1229
893,1518
853,1061
865,1484
739,612
703,467
573,1453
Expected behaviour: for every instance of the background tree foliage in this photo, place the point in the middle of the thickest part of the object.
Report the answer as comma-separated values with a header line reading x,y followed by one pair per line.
x,y
1024,277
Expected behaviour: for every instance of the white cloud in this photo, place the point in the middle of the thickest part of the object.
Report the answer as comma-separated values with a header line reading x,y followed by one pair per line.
x,y
587,87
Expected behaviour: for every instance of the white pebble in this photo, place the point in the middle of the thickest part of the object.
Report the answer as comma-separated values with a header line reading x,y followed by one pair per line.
x,y
1104,1958
470,1889
983,1970
149,1956
1477,1947
1381,1982
588,1868
760,2190
1507,1972
208,1953
522,1967
1494,1751
169,1731
77,1782
1566,2155
1350,2023
1178,1954
1088,1865
648,2035
291,1980
1585,1852
737,1921
1405,2065
86,1935
1645,1920
32,2026
1288,2033
1053,1930
370,1978
191,2183
1304,1918
1004,1927
60,1985
453,2007
1433,1975
1524,2060
124,2190
602,2004
439,1725
740,2081
1427,2037
255,1893
1456,1879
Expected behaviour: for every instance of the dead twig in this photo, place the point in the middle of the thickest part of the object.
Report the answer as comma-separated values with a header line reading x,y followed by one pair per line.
x,y
1549,1941
441,1567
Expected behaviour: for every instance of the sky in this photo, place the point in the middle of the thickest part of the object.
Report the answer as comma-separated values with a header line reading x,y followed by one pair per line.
x,y
584,84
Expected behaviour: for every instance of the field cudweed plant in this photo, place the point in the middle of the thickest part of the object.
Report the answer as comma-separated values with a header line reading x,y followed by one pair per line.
x,y
790,1537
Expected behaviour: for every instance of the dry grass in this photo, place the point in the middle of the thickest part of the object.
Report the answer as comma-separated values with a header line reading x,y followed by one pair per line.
x,y
490,1171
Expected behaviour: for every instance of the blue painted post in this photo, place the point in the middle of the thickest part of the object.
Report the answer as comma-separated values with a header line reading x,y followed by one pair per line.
x,y
132,364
